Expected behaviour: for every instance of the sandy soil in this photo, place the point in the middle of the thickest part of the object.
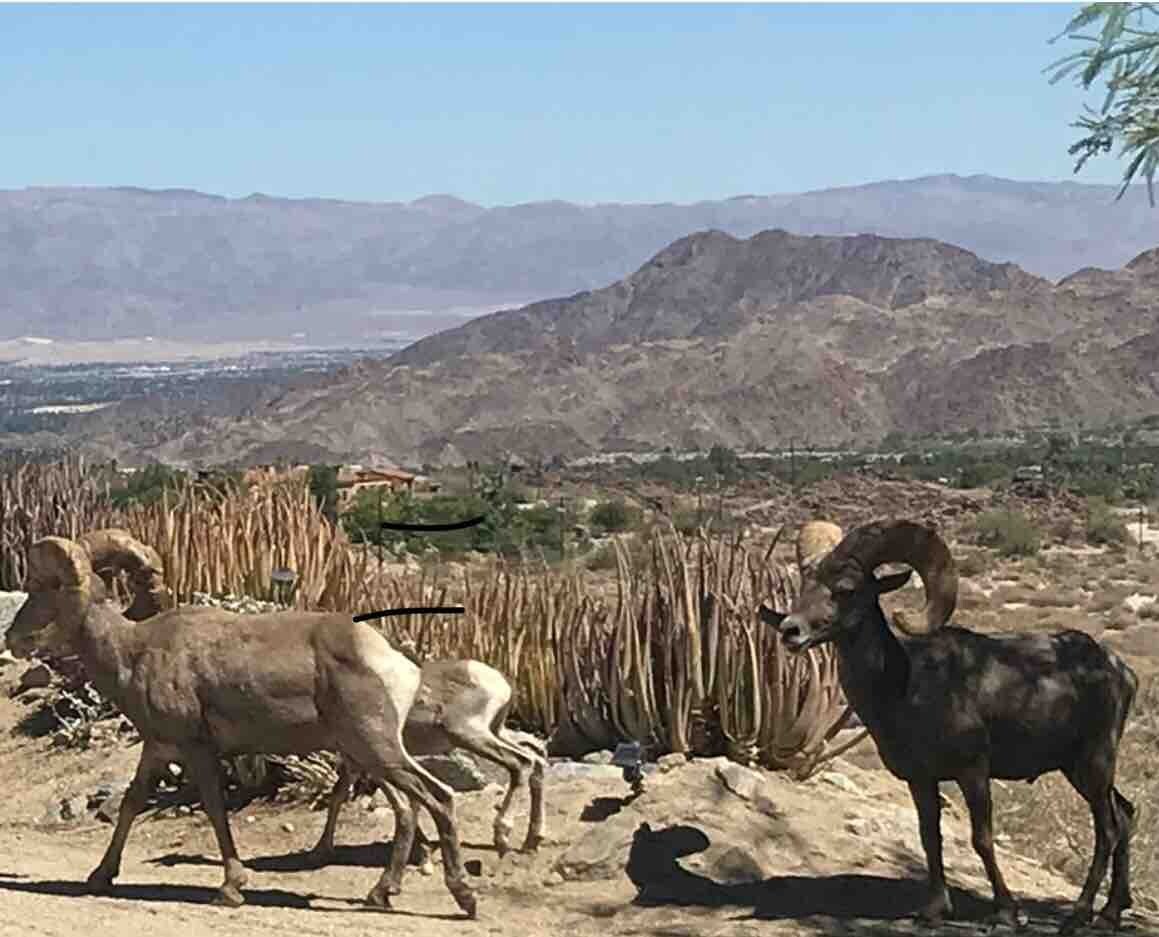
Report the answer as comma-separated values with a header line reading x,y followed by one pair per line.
x,y
762,855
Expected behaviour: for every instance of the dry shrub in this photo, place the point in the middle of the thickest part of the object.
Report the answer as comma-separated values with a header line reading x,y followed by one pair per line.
x,y
973,562
1056,598
1108,598
1049,820
669,651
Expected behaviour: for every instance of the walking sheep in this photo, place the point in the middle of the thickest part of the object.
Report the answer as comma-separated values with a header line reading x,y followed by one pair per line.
x,y
200,684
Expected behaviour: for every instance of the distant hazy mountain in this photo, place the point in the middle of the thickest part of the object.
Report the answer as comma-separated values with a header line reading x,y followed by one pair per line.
x,y
715,339
91,263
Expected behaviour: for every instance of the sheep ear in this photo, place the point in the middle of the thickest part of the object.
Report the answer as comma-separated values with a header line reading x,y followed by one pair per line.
x,y
892,582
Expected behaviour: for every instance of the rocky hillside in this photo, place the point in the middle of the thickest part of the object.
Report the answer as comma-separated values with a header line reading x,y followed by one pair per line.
x,y
722,340
93,263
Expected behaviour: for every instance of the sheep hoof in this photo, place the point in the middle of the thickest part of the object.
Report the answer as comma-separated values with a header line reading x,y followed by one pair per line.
x,y
99,882
378,898
1013,917
935,912
467,902
319,856
1074,922
1109,919
531,844
229,896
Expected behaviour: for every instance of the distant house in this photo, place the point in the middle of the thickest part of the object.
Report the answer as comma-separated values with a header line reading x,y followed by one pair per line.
x,y
355,478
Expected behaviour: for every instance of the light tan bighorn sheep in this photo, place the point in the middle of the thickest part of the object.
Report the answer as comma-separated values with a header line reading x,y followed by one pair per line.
x,y
951,704
200,684
460,704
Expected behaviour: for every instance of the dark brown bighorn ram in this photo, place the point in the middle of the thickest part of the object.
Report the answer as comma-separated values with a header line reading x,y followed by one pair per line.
x,y
950,704
201,684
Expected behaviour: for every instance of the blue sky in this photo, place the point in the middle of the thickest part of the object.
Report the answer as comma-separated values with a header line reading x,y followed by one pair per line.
x,y
510,103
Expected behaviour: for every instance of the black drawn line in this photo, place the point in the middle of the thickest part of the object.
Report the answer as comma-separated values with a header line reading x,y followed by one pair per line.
x,y
422,610
454,525
415,610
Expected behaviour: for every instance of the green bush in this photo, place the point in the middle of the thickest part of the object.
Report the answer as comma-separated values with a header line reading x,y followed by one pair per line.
x,y
146,486
1008,532
1103,525
505,529
613,516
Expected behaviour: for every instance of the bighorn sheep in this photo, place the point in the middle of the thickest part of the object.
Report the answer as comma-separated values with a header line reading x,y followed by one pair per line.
x,y
948,703
460,703
200,684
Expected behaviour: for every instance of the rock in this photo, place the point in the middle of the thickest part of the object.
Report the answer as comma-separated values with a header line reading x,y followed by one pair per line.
x,y
35,677
598,758
6,658
73,808
839,780
287,827
737,865
457,770
110,807
742,781
863,827
10,603
561,770
597,855
670,762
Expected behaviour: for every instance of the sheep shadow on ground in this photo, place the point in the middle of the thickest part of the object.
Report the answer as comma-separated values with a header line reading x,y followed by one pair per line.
x,y
847,903
184,894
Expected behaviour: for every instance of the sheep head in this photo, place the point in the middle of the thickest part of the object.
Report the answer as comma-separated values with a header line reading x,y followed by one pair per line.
x,y
112,550
839,588
61,587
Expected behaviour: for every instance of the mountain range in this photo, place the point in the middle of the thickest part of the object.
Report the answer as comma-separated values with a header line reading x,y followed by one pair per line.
x,y
746,342
102,263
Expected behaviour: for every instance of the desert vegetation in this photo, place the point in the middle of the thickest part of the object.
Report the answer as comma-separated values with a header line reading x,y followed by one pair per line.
x,y
643,625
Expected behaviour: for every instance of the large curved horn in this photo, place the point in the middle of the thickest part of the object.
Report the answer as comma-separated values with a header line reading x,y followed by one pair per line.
x,y
814,540
918,546
112,549
57,563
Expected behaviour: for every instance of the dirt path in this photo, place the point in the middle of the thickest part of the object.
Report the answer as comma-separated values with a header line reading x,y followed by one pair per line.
x,y
838,854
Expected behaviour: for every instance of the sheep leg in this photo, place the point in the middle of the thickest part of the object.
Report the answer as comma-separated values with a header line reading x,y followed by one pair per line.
x,y
405,824
929,807
422,788
1108,833
535,833
100,880
519,765
1119,898
408,842
203,765
339,794
976,791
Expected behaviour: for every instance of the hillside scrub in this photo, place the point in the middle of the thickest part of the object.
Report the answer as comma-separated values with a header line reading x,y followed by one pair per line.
x,y
1009,532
